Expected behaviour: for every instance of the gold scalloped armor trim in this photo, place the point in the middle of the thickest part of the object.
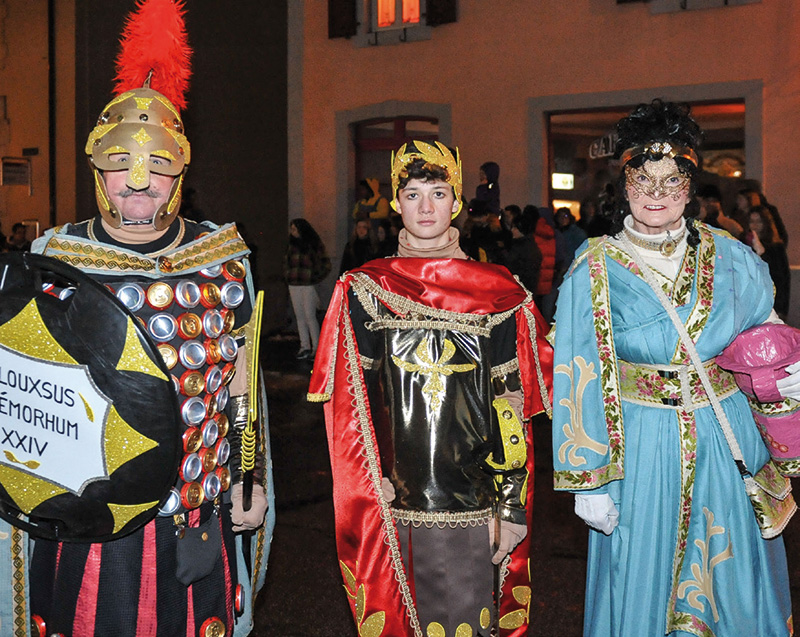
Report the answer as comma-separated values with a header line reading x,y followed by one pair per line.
x,y
318,398
548,407
82,253
416,315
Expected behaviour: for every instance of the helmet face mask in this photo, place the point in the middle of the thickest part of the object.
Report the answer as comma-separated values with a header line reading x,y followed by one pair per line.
x,y
146,127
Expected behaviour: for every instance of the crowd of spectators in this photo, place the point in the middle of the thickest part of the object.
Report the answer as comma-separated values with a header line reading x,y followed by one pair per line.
x,y
538,245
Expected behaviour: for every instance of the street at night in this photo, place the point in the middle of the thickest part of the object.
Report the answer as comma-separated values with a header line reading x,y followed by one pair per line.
x,y
304,594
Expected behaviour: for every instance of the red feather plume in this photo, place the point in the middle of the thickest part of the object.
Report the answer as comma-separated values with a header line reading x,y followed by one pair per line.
x,y
154,38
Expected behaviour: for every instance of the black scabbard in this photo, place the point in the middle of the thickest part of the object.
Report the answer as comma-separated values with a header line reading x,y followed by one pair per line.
x,y
247,490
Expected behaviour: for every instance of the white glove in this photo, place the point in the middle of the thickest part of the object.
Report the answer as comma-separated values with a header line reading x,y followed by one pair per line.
x,y
510,535
254,517
789,387
597,510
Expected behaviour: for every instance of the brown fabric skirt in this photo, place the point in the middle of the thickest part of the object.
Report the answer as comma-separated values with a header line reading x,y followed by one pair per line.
x,y
451,576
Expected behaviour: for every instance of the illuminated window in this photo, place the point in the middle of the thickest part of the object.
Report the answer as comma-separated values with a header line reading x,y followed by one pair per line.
x,y
410,11
378,22
388,11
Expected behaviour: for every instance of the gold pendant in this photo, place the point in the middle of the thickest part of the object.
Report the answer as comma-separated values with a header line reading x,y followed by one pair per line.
x,y
668,247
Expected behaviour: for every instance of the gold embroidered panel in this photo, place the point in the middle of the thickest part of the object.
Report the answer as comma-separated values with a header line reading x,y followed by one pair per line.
x,y
83,253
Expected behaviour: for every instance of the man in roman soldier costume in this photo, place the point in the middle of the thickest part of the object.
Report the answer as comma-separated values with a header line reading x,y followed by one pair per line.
x,y
431,367
195,567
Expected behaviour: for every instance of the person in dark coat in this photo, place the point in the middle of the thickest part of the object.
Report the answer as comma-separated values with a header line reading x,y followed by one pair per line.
x,y
573,235
489,188
762,236
482,237
18,241
307,264
361,248
522,256
386,239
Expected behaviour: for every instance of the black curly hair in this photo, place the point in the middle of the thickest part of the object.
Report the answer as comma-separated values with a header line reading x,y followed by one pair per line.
x,y
422,170
308,236
658,121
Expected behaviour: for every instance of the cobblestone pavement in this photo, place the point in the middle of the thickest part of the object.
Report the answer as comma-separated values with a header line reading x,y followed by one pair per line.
x,y
303,595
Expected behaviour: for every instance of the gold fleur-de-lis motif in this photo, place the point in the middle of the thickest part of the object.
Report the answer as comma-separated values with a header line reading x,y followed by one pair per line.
x,y
703,581
576,435
434,387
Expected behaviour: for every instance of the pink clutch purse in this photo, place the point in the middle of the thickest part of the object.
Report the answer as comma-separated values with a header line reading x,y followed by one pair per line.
x,y
758,358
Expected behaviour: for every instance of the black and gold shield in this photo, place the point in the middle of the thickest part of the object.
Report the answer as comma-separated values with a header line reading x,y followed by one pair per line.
x,y
89,421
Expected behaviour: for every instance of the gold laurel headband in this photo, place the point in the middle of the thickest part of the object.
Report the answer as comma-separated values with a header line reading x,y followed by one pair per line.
x,y
659,148
438,156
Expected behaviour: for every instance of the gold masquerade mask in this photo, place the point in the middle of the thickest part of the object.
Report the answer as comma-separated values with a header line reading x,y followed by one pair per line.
x,y
438,156
657,179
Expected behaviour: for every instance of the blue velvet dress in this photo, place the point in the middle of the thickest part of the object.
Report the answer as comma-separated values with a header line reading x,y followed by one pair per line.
x,y
687,557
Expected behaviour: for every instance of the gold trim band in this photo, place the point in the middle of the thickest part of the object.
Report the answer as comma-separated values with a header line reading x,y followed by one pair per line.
x,y
442,519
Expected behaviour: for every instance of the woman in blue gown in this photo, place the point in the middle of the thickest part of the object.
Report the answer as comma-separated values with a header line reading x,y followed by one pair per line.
x,y
675,547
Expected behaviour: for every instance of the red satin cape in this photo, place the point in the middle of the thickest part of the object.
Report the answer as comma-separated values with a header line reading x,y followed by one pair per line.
x,y
364,533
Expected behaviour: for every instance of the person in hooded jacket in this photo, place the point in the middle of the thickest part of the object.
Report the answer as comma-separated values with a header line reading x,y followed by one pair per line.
x,y
370,203
482,237
489,188
572,234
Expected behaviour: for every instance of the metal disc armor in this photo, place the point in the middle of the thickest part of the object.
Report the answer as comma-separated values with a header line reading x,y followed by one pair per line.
x,y
192,301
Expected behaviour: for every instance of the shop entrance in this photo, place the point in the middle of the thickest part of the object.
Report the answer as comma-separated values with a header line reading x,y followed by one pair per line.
x,y
570,134
581,146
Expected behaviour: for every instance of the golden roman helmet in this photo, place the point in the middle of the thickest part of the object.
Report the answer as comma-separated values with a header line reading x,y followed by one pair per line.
x,y
145,125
